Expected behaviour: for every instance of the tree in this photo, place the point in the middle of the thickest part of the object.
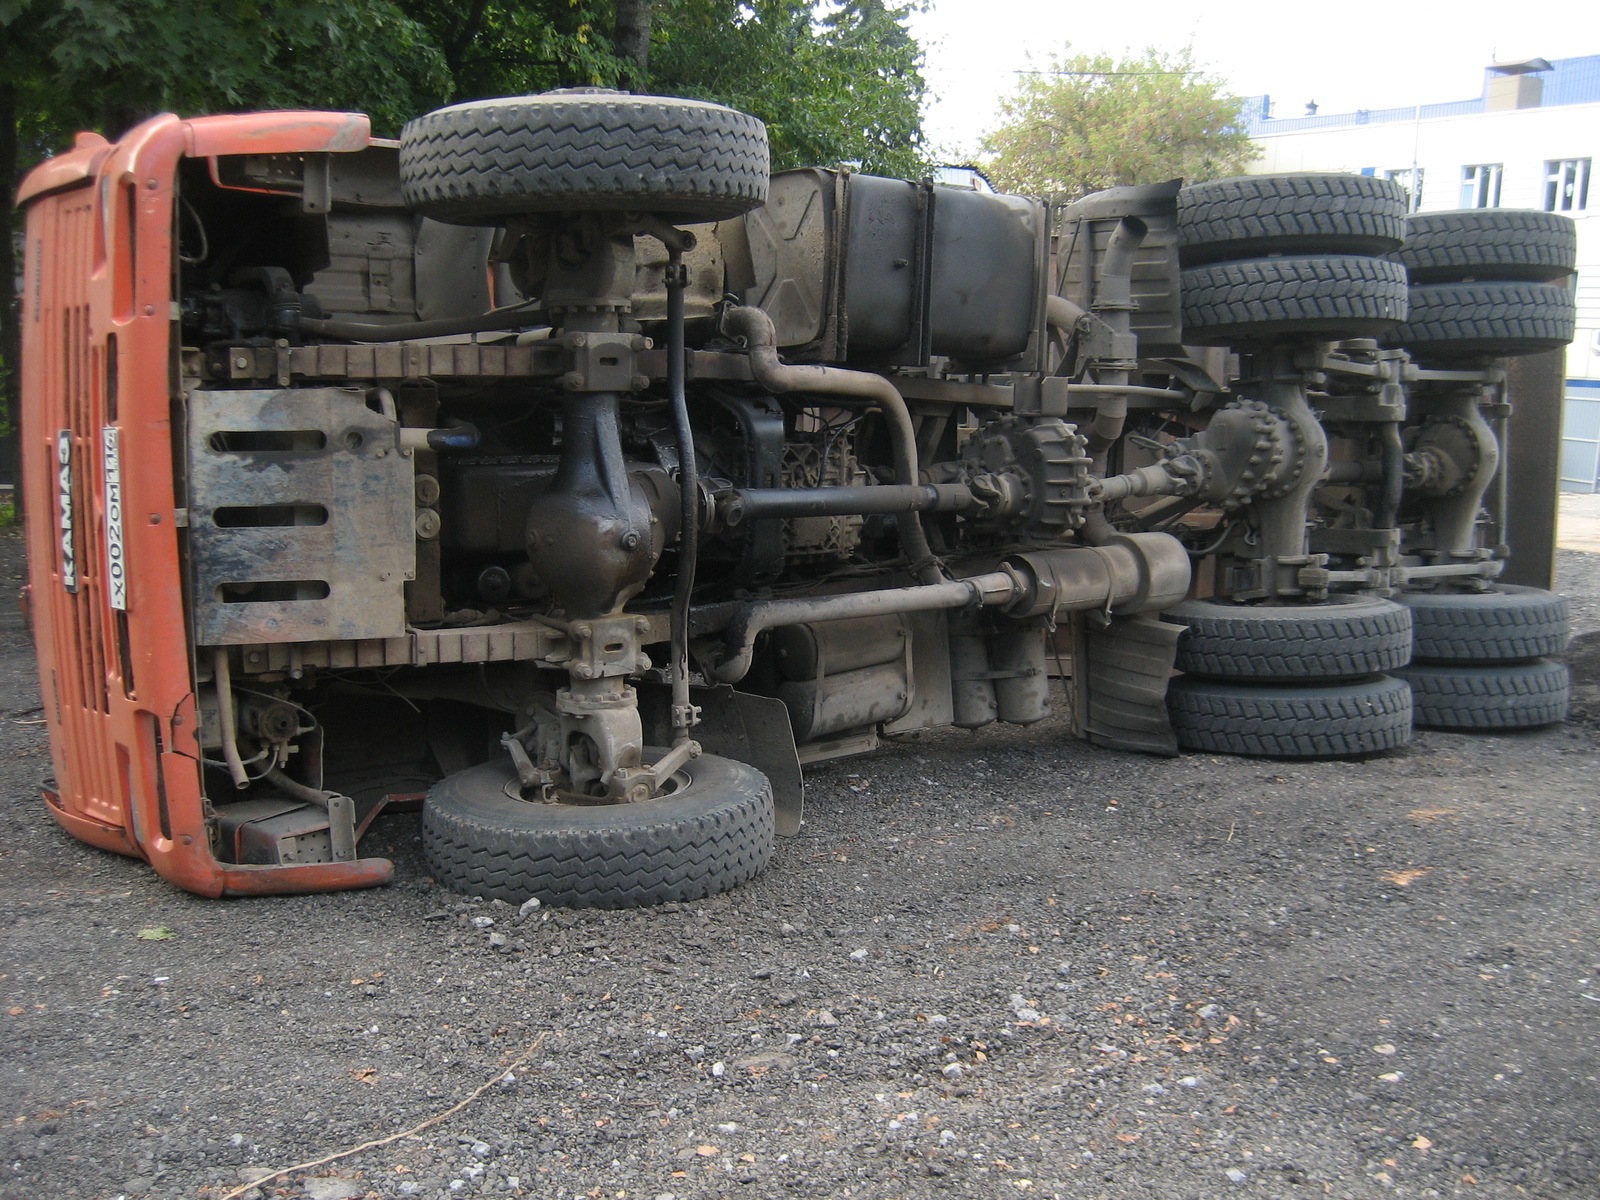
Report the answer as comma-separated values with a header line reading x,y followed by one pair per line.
x,y
1091,121
840,88
837,85
105,65
512,47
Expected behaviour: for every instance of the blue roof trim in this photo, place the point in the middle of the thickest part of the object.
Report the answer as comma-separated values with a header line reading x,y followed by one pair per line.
x,y
1569,81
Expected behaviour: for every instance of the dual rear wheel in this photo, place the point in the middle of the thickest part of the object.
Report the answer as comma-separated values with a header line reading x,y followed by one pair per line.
x,y
1336,257
1291,681
1480,658
1351,676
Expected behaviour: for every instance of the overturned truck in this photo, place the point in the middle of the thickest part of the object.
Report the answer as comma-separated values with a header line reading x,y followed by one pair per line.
x,y
558,471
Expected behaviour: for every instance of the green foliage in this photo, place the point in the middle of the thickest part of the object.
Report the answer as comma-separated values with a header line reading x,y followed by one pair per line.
x,y
1091,121
837,81
836,86
106,64
512,47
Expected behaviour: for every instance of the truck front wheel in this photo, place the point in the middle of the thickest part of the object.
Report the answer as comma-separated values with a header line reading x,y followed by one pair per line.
x,y
710,831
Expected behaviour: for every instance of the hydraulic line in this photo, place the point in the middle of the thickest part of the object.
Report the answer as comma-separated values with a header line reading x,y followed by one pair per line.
x,y
223,681
295,788
755,327
689,499
1113,303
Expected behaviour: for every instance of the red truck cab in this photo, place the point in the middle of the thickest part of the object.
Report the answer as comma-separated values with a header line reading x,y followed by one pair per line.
x,y
101,384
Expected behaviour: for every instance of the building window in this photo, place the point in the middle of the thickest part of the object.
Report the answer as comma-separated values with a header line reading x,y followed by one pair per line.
x,y
1410,180
1566,185
1480,186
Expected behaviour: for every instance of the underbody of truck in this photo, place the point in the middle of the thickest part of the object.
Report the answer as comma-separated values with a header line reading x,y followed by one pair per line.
x,y
559,471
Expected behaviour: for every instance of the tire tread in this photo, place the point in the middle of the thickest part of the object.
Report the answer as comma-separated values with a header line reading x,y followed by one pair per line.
x,y
473,162
1499,317
1338,296
650,862
1510,696
1489,243
1333,641
1504,624
1278,722
1247,215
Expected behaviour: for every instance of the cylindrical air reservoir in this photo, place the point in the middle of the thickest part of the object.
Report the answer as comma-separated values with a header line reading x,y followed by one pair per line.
x,y
971,686
1022,681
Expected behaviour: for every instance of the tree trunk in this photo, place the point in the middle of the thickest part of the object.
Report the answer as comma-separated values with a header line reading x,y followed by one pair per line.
x,y
455,50
10,299
632,40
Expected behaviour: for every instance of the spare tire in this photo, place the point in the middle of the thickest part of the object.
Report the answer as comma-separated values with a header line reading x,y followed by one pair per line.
x,y
1489,243
1345,638
1506,622
1323,721
715,831
580,150
1251,215
1336,297
1502,319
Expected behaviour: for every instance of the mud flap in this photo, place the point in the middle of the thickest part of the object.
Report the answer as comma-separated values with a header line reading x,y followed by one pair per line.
x,y
748,729
1120,674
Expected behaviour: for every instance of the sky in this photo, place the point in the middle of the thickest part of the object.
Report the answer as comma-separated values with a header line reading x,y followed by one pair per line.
x,y
1345,56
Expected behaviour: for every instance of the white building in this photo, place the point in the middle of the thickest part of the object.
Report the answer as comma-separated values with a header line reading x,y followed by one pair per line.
x,y
1530,141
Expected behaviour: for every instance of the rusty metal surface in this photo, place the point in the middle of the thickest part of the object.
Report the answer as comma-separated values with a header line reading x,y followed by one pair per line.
x,y
462,360
849,700
392,360
362,552
986,298
451,270
705,263
510,641
832,647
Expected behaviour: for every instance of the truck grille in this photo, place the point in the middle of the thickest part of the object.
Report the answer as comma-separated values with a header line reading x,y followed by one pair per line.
x,y
68,386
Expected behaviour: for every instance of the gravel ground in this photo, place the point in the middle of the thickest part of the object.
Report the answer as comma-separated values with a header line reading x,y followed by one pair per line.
x,y
1578,578
993,965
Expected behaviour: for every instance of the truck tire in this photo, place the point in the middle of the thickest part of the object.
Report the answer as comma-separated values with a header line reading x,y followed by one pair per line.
x,y
1324,721
583,149
713,833
1506,622
1489,243
1252,215
1488,696
1335,297
1346,638
1504,319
